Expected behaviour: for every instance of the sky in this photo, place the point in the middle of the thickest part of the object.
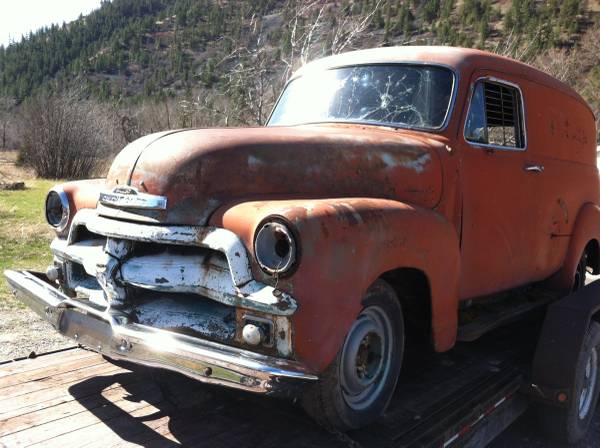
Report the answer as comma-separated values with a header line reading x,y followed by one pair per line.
x,y
19,17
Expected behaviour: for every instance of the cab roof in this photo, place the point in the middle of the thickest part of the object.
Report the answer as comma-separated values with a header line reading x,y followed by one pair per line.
x,y
461,60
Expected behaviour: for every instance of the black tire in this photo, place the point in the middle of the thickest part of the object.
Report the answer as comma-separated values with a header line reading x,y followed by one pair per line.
x,y
569,425
358,385
580,273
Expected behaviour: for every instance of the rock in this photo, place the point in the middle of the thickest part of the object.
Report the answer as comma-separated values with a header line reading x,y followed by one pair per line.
x,y
12,185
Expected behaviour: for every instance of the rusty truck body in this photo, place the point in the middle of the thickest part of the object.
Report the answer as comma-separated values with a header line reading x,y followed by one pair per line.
x,y
392,191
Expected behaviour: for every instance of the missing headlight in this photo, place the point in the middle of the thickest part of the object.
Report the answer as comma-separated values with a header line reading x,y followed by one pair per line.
x,y
275,247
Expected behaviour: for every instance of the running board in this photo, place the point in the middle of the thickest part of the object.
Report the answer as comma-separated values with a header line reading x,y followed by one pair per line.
x,y
486,315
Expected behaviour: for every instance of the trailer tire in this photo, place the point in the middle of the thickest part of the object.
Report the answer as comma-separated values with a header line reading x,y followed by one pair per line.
x,y
570,424
358,385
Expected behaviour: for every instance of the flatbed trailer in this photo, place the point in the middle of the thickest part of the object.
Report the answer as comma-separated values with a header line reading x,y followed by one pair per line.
x,y
463,397
74,397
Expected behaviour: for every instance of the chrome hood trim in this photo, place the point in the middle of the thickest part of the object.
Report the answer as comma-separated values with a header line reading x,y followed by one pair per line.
x,y
130,197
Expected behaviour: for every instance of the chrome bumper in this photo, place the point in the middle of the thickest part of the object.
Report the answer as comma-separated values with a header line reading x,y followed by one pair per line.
x,y
111,334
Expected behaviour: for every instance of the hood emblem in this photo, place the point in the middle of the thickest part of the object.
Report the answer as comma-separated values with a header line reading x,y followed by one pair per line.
x,y
130,197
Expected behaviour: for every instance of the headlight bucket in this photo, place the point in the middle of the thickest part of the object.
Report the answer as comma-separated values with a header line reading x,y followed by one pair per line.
x,y
57,209
275,247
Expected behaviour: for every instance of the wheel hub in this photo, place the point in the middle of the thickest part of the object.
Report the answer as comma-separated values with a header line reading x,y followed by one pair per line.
x,y
366,357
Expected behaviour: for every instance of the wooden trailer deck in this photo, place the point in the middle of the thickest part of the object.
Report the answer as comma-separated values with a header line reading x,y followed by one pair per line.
x,y
76,398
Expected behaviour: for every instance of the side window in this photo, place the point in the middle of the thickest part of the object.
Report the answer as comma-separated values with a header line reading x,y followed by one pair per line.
x,y
496,115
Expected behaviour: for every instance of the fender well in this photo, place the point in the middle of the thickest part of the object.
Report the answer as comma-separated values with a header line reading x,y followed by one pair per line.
x,y
585,236
346,244
413,291
593,251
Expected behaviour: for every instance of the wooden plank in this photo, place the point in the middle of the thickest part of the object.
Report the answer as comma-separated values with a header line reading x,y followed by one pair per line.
x,y
53,413
85,407
65,398
99,432
42,361
61,379
8,405
123,433
48,371
47,435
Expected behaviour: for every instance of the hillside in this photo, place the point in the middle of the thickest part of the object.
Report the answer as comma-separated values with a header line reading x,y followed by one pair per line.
x,y
206,62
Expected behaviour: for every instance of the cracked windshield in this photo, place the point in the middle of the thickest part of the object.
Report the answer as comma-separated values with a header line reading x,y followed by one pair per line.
x,y
397,95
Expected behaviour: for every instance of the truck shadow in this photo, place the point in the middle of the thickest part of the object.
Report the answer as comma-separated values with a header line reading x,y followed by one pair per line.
x,y
160,408
154,407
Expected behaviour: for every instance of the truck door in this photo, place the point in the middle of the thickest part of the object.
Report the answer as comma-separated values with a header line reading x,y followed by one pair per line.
x,y
499,219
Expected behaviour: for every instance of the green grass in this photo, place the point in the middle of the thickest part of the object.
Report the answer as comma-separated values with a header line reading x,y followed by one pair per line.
x,y
24,235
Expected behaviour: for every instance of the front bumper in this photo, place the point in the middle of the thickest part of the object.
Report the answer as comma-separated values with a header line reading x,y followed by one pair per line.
x,y
112,334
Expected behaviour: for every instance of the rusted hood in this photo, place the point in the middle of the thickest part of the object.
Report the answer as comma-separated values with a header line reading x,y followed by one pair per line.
x,y
199,170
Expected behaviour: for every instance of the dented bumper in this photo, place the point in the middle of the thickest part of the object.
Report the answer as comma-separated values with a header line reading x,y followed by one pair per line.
x,y
111,333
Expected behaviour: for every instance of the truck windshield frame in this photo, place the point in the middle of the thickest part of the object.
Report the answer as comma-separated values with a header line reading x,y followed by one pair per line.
x,y
316,78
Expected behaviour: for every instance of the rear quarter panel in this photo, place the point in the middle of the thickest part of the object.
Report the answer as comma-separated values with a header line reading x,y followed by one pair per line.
x,y
562,136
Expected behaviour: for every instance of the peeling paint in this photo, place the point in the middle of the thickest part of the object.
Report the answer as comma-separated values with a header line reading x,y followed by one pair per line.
x,y
201,273
208,319
417,164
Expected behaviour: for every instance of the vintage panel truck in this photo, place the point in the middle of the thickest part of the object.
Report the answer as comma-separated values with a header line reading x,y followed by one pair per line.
x,y
397,198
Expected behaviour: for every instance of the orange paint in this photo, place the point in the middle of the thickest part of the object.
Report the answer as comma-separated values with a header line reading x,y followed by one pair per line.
x,y
365,200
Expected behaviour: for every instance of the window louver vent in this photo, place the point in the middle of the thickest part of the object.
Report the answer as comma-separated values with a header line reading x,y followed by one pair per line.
x,y
499,105
502,114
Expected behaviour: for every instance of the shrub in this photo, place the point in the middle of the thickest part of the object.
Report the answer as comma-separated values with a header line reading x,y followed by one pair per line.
x,y
64,137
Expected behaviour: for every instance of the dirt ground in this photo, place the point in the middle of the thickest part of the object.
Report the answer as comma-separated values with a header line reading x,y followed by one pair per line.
x,y
23,332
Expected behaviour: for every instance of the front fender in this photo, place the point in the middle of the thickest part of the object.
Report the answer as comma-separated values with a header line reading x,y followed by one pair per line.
x,y
81,194
345,245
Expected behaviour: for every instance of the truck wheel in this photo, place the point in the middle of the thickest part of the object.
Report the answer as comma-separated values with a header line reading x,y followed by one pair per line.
x,y
358,385
570,424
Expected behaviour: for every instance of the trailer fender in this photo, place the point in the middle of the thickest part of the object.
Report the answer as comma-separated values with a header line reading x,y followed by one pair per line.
x,y
560,344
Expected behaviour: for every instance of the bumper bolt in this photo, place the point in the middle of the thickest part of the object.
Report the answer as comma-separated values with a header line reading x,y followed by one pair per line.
x,y
75,336
99,348
125,345
207,371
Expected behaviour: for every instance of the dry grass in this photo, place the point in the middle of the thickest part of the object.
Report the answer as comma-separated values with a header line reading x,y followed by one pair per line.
x,y
24,244
9,171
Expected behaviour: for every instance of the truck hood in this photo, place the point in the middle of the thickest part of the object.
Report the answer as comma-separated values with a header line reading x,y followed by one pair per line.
x,y
198,170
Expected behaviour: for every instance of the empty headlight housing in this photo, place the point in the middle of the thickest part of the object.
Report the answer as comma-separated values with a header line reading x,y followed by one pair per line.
x,y
57,209
275,247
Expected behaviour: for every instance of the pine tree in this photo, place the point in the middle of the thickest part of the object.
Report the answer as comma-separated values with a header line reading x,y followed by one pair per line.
x,y
388,22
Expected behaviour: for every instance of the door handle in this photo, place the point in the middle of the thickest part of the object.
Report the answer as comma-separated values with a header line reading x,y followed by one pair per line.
x,y
534,168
